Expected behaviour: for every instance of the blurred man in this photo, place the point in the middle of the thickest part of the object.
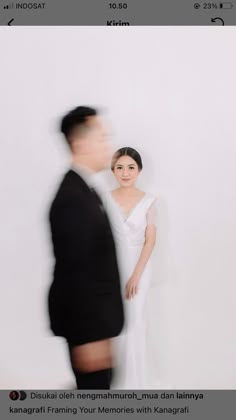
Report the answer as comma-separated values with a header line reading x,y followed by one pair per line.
x,y
85,303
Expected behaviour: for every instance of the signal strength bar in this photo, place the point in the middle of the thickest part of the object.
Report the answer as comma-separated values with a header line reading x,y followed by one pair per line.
x,y
9,6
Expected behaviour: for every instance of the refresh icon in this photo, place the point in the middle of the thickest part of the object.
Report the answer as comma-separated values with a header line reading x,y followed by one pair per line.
x,y
218,18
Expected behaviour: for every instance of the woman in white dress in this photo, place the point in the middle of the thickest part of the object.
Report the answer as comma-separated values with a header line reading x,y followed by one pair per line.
x,y
133,217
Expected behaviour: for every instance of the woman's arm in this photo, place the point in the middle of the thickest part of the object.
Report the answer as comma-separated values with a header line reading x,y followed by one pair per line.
x,y
150,240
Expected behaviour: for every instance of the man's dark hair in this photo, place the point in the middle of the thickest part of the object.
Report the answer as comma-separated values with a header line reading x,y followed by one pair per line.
x,y
76,118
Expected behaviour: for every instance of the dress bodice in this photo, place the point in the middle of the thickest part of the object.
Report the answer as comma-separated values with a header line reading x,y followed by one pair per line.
x,y
129,230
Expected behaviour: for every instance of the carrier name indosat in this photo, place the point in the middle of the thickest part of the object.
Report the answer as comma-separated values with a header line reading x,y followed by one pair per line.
x,y
30,5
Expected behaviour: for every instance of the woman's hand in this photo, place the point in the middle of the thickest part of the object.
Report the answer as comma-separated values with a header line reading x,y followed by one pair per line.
x,y
132,286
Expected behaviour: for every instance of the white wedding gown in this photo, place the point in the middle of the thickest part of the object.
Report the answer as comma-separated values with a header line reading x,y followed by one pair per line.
x,y
131,346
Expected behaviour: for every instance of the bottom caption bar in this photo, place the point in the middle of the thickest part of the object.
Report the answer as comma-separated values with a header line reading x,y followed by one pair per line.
x,y
193,404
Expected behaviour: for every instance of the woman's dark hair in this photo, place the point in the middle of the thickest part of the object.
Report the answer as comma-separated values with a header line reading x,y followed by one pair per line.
x,y
127,151
77,117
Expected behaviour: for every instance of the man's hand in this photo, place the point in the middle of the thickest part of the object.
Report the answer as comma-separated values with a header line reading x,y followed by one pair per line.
x,y
93,356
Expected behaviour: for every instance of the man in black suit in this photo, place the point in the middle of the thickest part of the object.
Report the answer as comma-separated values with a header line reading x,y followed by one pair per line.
x,y
85,303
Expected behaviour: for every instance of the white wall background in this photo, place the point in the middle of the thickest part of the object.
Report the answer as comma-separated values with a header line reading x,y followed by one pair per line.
x,y
170,92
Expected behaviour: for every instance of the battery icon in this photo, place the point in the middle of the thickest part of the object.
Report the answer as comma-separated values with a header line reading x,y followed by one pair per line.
x,y
226,5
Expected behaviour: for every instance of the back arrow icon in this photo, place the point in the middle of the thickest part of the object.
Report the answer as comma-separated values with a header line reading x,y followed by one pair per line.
x,y
10,21
218,18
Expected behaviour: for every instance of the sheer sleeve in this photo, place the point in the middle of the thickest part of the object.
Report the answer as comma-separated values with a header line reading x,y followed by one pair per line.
x,y
152,214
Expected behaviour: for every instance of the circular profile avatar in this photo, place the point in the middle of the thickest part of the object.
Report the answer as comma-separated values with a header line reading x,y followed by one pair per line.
x,y
14,395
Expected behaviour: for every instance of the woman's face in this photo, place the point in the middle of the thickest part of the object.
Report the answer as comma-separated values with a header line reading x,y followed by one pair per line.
x,y
126,171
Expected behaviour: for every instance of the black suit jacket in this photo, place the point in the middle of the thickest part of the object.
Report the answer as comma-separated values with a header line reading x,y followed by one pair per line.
x,y
84,300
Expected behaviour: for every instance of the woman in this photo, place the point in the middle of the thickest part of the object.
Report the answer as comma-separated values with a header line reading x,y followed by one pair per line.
x,y
134,225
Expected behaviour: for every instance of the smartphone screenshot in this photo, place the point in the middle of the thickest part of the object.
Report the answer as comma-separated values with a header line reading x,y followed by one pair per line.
x,y
118,203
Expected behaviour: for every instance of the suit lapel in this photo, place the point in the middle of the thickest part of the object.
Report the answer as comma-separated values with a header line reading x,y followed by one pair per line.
x,y
80,183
